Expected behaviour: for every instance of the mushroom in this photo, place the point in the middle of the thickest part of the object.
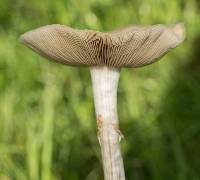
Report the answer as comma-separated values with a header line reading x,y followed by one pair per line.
x,y
105,53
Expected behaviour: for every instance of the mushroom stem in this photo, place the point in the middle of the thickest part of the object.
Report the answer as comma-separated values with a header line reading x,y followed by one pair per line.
x,y
105,83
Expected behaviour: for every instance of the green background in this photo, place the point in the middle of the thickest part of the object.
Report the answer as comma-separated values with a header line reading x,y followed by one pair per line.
x,y
47,121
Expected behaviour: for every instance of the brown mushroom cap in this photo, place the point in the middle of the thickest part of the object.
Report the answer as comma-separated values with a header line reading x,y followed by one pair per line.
x,y
133,46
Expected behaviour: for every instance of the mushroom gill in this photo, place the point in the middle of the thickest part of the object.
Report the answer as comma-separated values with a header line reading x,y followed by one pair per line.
x,y
133,46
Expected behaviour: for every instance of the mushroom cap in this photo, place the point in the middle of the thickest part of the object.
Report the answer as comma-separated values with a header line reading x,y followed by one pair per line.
x,y
133,46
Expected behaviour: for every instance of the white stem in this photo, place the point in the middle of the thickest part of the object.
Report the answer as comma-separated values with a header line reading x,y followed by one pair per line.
x,y
105,83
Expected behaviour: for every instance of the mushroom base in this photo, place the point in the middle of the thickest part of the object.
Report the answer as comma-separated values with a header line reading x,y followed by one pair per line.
x,y
105,83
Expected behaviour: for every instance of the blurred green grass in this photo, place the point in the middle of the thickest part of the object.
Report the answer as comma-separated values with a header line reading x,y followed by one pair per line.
x,y
47,122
